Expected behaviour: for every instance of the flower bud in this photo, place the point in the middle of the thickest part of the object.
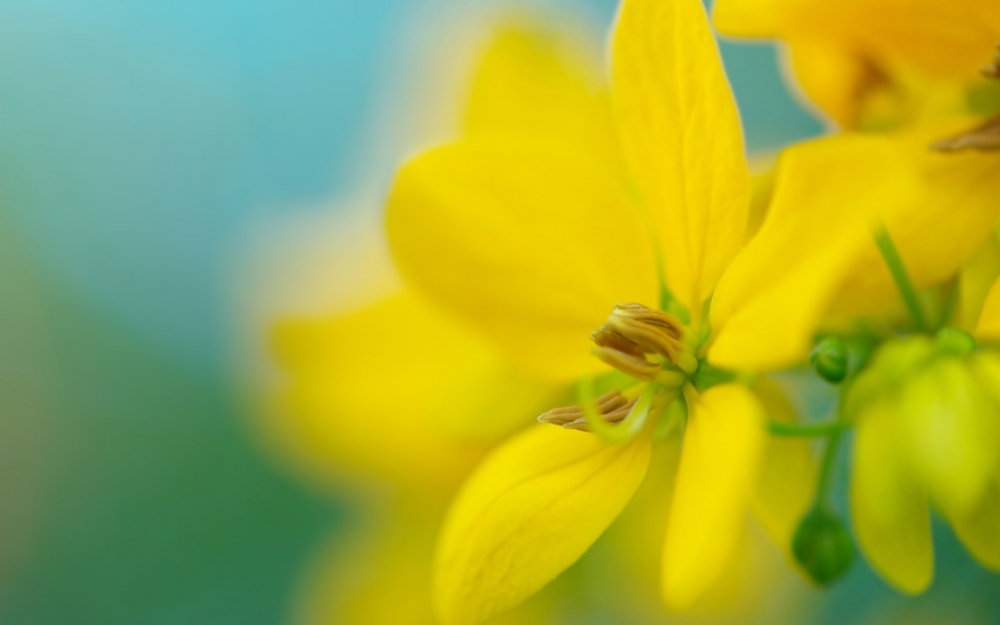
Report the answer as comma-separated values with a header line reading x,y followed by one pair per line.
x,y
823,547
830,359
955,341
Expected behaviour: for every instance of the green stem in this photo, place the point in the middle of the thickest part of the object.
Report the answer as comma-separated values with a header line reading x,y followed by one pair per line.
x,y
806,430
898,270
824,487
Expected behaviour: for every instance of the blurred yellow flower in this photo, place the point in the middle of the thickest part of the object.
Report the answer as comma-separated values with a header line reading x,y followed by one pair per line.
x,y
871,62
928,433
339,420
565,201
534,230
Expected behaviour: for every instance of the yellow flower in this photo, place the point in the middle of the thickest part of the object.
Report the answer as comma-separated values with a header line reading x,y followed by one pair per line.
x,y
349,414
870,62
920,79
928,433
536,229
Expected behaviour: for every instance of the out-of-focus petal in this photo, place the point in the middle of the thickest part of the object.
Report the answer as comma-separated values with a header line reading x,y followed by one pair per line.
x,y
531,243
537,84
396,390
682,140
949,39
529,511
950,429
890,510
988,327
979,528
787,479
954,216
975,283
826,199
833,78
715,483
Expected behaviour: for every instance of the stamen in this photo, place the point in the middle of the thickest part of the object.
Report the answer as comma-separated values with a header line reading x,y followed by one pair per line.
x,y
985,137
613,407
637,340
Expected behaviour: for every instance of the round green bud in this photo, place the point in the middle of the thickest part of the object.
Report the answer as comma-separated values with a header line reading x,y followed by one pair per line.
x,y
830,359
955,341
823,547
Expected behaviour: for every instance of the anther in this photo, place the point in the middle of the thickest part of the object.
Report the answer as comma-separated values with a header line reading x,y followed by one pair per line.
x,y
637,340
613,407
985,137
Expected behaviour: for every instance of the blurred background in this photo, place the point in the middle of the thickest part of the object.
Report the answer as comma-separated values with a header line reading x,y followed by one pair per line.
x,y
148,151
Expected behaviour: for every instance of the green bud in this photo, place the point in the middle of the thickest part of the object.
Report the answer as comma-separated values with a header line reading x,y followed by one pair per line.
x,y
823,547
955,341
830,359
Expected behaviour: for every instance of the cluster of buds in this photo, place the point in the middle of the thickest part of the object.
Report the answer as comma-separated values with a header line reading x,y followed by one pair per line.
x,y
638,340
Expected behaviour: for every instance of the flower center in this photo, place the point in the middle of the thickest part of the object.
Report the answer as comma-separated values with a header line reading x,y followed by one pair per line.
x,y
638,341
645,344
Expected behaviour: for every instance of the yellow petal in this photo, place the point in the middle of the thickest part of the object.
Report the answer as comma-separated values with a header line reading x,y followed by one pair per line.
x,y
532,243
950,39
988,327
834,78
979,528
890,511
682,139
954,216
976,284
787,479
393,390
827,194
535,83
950,429
529,511
376,573
715,482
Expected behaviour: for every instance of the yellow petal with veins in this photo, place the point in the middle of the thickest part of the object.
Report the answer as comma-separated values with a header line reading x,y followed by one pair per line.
x,y
827,195
529,511
682,140
889,508
532,243
392,390
375,573
715,483
950,39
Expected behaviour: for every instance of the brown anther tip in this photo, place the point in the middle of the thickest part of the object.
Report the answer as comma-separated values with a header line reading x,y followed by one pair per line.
x,y
993,69
985,137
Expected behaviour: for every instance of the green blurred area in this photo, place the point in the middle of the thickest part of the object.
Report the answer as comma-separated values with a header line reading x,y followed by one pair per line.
x,y
130,489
